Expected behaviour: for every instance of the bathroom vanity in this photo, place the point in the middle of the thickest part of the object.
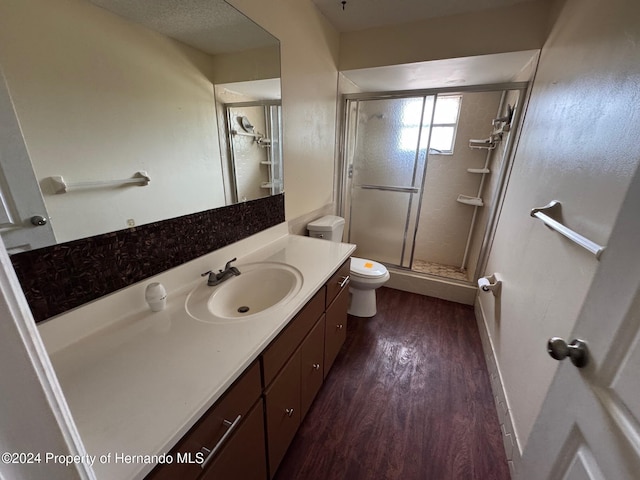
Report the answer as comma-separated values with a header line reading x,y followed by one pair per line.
x,y
230,394
273,395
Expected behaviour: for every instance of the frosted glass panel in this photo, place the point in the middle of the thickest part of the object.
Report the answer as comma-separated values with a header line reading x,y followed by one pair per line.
x,y
391,138
387,139
378,223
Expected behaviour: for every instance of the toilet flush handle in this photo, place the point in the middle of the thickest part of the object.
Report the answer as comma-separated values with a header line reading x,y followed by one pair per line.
x,y
344,281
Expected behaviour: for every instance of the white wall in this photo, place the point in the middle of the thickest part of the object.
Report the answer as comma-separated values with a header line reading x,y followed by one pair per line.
x,y
308,52
101,98
523,26
256,64
579,145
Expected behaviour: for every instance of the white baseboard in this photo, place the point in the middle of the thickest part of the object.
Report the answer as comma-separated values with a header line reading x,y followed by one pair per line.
x,y
511,446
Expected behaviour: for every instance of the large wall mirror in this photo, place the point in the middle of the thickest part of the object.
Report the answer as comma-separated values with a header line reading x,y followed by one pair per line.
x,y
122,113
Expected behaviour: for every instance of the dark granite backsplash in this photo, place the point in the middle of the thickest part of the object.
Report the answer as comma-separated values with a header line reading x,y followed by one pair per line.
x,y
61,277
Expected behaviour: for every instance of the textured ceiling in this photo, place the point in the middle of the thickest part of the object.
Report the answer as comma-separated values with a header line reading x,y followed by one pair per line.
x,y
361,14
212,26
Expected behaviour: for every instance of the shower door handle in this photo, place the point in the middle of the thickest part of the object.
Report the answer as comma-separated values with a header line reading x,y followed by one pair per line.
x,y
389,188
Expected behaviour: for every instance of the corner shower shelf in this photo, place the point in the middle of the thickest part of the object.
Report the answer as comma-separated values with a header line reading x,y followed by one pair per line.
x,y
475,201
478,170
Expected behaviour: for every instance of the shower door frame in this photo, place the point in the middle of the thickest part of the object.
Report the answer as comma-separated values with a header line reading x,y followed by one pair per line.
x,y
414,189
343,179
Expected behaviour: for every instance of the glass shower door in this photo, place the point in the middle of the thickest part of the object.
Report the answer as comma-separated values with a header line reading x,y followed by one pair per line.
x,y
389,140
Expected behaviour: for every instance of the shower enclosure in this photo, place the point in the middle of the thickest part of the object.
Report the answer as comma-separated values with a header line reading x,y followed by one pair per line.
x,y
422,172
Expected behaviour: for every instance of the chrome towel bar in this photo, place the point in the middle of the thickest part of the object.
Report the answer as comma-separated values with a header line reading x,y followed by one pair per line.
x,y
541,213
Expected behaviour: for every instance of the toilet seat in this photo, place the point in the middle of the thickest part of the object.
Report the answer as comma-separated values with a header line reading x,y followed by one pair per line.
x,y
363,268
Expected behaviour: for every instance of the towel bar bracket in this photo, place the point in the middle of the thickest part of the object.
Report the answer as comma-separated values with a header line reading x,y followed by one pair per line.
x,y
554,208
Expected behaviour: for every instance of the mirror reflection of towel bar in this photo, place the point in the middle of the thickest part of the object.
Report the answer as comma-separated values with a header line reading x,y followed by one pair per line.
x,y
60,185
564,230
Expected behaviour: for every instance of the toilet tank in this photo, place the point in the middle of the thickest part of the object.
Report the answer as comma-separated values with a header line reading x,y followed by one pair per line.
x,y
329,227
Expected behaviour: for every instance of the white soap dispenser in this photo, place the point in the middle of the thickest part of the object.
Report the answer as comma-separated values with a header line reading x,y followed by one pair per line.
x,y
156,296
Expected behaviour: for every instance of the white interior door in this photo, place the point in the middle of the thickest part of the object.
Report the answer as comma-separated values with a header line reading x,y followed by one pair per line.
x,y
20,195
589,425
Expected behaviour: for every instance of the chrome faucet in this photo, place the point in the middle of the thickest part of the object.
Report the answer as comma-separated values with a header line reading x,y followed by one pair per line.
x,y
222,275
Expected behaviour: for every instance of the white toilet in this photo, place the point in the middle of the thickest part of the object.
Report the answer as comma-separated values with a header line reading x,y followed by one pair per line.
x,y
365,275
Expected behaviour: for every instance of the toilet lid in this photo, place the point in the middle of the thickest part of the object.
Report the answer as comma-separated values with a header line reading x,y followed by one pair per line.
x,y
367,268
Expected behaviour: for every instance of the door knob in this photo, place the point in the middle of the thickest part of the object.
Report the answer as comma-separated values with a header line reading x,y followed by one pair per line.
x,y
38,220
576,350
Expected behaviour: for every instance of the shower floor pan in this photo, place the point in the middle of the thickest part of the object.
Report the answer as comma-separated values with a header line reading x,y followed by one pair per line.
x,y
439,270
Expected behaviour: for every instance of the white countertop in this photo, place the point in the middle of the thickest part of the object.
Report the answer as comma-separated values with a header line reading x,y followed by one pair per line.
x,y
136,383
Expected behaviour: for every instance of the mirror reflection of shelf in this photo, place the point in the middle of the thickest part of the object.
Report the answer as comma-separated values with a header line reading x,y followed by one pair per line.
x,y
475,201
478,170
485,143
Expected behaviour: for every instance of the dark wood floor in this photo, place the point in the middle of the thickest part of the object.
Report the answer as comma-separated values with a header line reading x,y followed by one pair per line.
x,y
407,398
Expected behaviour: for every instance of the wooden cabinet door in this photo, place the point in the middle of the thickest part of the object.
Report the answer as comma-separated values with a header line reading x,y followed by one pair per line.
x,y
312,366
244,455
338,282
211,428
276,355
336,328
282,401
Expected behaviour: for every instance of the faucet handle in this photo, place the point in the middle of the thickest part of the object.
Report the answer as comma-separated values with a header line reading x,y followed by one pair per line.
x,y
228,265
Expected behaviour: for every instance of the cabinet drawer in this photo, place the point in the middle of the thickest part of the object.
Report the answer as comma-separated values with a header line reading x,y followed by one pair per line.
x,y
336,328
282,407
338,282
276,354
312,366
237,401
244,456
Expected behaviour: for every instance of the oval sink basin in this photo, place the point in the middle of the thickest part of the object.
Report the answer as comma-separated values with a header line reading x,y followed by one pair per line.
x,y
259,287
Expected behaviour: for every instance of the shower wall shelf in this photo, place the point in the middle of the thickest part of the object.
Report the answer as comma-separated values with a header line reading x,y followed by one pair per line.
x,y
474,201
555,206
482,144
60,185
478,170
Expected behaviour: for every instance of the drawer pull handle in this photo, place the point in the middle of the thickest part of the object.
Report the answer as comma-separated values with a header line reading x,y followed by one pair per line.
x,y
344,281
212,453
316,366
288,411
339,326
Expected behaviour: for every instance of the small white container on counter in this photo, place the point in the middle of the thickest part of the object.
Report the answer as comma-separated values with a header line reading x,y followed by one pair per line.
x,y
156,296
